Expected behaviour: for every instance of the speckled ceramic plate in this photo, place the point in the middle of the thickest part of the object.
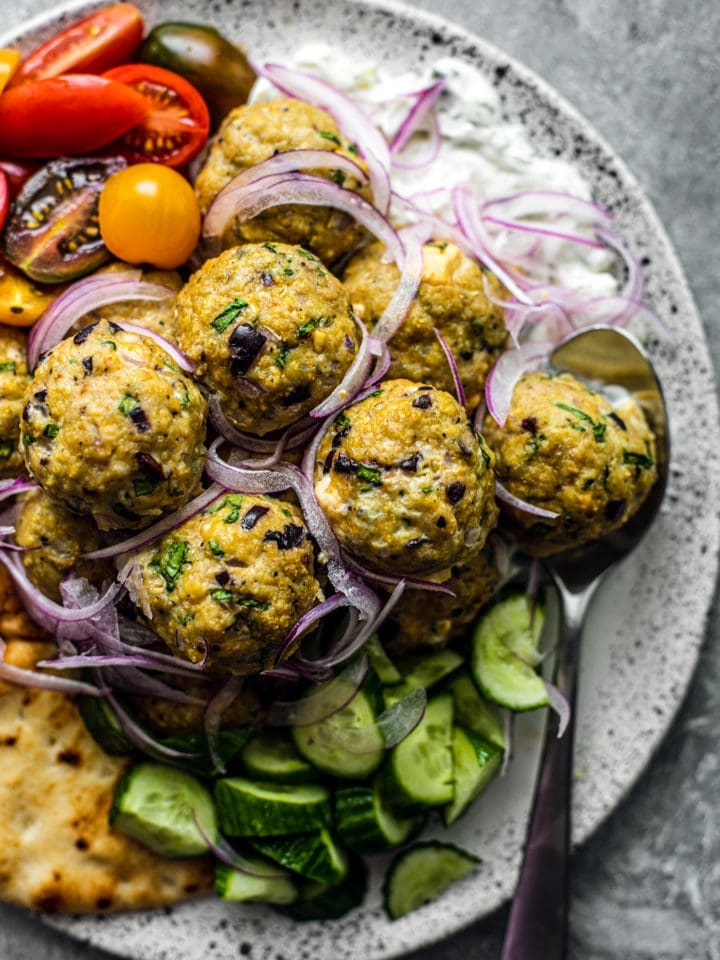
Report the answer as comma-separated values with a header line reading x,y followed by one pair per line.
x,y
647,623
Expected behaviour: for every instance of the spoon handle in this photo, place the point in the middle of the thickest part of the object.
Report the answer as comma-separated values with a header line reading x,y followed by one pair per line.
x,y
537,929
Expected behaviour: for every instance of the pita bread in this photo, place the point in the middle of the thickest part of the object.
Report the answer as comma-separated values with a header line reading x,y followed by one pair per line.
x,y
57,852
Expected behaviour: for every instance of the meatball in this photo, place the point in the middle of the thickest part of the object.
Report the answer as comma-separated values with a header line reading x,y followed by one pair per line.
x,y
112,428
154,315
169,718
451,298
256,132
405,481
58,538
270,330
567,449
422,621
14,378
233,579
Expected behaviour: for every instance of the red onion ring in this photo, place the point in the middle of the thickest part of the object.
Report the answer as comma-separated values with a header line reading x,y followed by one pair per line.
x,y
410,265
176,353
435,145
452,363
226,695
14,486
315,707
20,677
423,106
505,373
559,703
530,203
335,602
82,297
543,231
227,854
142,739
388,580
351,383
502,493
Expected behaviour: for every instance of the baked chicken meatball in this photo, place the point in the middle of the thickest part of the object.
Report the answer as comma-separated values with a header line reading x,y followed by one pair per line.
x,y
170,718
14,378
270,331
451,298
233,580
405,481
422,621
57,539
567,449
112,428
255,132
154,315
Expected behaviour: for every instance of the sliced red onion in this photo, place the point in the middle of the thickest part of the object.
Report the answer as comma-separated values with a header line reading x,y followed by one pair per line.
x,y
223,851
303,189
411,269
14,486
452,363
84,660
350,118
226,695
159,529
20,677
502,493
170,348
323,703
395,724
435,145
142,739
559,703
634,285
294,437
84,296
505,373
389,580
308,620
418,112
543,231
531,203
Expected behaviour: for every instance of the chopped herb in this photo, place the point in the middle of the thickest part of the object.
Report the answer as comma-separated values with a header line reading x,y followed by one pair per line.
x,y
307,255
484,452
28,439
215,548
598,429
110,343
283,356
310,325
533,445
338,177
375,393
221,594
352,148
143,486
286,512
223,320
288,272
233,502
51,430
427,489
588,483
6,448
271,247
127,404
184,618
170,561
10,366
642,460
253,604
370,474
332,137
185,399
342,421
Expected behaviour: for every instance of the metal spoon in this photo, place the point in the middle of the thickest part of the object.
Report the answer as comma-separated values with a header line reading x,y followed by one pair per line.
x,y
537,929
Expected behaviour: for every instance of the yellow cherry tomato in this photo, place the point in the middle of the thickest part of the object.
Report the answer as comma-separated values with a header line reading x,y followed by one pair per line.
x,y
9,59
149,214
22,302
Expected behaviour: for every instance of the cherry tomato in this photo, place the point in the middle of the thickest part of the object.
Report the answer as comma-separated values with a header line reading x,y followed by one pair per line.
x,y
21,301
100,41
177,123
17,172
149,214
9,59
4,198
73,114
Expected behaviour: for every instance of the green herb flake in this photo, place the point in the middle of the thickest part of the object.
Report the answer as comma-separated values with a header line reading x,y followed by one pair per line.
x,y
588,483
307,255
51,430
598,429
342,422
183,618
231,312
170,561
127,404
426,489
221,594
642,460
252,604
352,148
533,446
233,502
283,356
338,177
286,512
332,137
10,366
215,548
312,324
28,440
110,343
185,400
369,474
288,272
6,449
375,393
143,486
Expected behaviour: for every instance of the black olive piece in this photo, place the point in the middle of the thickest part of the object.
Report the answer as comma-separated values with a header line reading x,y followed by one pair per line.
x,y
266,279
296,395
40,395
618,420
349,343
417,542
82,335
223,578
252,517
27,410
327,465
245,344
455,492
466,355
150,466
410,463
441,522
114,327
290,536
344,464
139,418
423,402
87,364
614,509
530,424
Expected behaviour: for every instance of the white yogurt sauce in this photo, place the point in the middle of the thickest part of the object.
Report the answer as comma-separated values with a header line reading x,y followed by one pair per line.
x,y
479,148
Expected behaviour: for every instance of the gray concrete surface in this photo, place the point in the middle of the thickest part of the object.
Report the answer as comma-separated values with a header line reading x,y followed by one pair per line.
x,y
647,76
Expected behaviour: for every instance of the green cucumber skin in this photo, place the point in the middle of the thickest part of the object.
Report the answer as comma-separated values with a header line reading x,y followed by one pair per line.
x,y
359,816
475,763
244,812
228,744
423,671
104,727
314,856
237,886
421,873
474,712
271,756
322,902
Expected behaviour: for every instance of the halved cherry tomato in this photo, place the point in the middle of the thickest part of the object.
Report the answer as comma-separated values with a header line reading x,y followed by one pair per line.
x,y
73,114
92,45
9,59
17,172
177,124
4,198
22,302
149,213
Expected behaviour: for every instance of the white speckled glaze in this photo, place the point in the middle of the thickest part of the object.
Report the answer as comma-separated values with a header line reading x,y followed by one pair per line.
x,y
647,623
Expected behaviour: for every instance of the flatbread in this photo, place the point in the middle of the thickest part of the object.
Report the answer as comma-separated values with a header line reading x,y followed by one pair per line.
x,y
57,851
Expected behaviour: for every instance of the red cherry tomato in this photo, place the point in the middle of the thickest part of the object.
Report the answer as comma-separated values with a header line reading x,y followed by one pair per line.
x,y
66,115
177,123
4,198
17,172
100,41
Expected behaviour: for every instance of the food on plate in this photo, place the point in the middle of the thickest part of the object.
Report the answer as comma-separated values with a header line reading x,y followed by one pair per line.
x,y
22,301
567,449
154,315
256,132
14,377
56,538
111,428
405,481
270,330
227,585
456,297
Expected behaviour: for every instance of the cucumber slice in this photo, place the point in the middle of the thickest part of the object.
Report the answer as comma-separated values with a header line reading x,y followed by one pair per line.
x,y
475,763
422,671
381,663
228,744
319,901
316,856
420,768
234,885
159,807
474,712
104,726
520,623
348,744
365,822
250,808
271,756
422,873
500,674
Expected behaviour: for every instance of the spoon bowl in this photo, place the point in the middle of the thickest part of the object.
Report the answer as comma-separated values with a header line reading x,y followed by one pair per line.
x,y
537,930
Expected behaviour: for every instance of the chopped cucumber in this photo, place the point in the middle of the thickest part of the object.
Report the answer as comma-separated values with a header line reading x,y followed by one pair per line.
x,y
316,856
381,663
274,888
365,822
475,763
520,622
500,673
474,712
348,744
104,726
422,873
250,808
319,901
420,768
228,744
164,809
422,671
271,756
